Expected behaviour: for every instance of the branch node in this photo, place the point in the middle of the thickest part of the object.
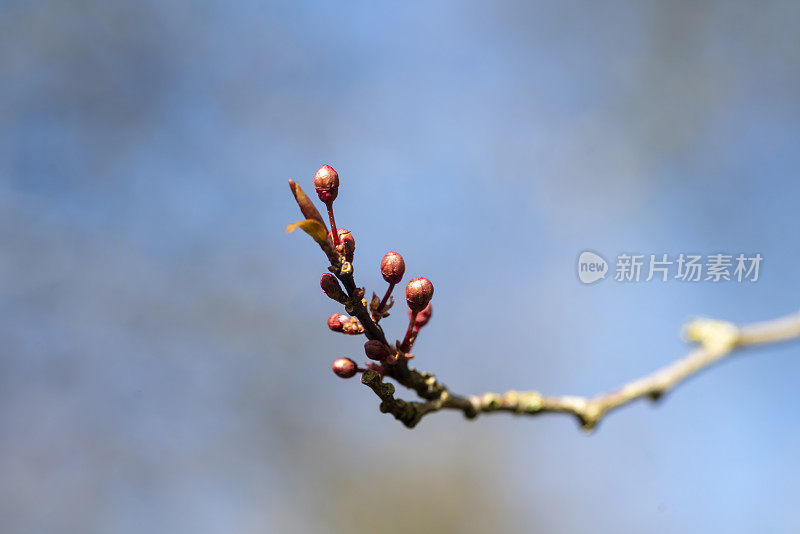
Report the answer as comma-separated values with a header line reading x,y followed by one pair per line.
x,y
713,335
530,402
590,415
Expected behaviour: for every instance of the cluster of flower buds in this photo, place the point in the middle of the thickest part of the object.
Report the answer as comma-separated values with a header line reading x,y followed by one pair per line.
x,y
419,291
339,322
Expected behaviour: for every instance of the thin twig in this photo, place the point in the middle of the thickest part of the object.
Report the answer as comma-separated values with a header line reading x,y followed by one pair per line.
x,y
356,305
716,340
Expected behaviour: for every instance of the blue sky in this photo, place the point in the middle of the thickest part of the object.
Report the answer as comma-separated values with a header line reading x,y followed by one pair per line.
x,y
166,364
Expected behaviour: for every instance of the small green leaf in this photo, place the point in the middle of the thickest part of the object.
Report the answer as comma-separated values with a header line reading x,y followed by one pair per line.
x,y
312,227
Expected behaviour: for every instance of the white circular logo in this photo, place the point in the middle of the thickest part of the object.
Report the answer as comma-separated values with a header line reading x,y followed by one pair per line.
x,y
591,267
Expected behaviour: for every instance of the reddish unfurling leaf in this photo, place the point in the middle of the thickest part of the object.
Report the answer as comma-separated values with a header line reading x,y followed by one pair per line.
x,y
306,206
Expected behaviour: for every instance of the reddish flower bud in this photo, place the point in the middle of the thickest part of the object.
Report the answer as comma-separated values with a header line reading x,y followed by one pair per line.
x,y
375,350
337,321
344,324
393,267
347,241
326,182
344,367
422,317
330,285
353,327
419,292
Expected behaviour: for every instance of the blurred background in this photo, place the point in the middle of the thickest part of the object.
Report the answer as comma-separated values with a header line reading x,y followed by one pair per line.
x,y
165,363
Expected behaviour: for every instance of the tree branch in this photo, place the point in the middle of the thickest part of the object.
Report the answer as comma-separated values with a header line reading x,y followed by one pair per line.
x,y
716,339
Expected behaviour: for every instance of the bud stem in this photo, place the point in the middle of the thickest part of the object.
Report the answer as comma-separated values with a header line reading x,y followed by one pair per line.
x,y
385,298
406,345
334,231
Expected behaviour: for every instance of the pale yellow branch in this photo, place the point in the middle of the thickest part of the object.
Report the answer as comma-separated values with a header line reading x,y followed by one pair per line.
x,y
715,339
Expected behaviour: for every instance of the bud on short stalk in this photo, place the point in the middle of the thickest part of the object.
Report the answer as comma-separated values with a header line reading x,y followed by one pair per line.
x,y
392,269
326,182
344,367
419,292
